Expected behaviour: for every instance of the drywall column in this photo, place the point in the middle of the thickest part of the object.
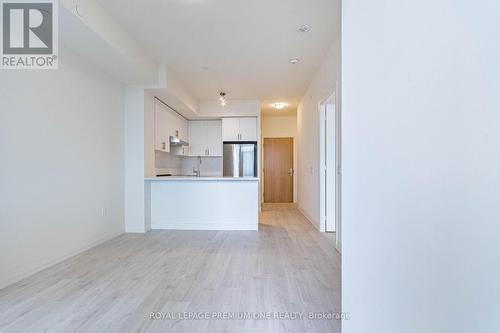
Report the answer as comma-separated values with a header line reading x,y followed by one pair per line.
x,y
134,160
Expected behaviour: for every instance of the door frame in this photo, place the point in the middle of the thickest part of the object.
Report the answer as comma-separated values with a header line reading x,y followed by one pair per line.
x,y
336,170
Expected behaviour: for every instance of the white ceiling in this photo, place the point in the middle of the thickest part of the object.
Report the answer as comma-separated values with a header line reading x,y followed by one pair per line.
x,y
239,46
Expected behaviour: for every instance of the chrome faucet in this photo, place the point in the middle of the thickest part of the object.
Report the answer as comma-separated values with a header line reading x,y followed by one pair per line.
x,y
197,171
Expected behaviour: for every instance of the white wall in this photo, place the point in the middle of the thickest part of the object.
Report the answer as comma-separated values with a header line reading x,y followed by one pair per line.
x,y
421,156
322,87
280,127
61,148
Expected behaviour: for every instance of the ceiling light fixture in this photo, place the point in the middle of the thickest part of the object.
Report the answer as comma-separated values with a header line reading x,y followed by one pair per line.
x,y
294,61
222,98
279,106
304,28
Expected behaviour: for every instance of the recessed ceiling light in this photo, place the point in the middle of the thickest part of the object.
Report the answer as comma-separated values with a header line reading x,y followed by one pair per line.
x,y
304,28
279,105
294,61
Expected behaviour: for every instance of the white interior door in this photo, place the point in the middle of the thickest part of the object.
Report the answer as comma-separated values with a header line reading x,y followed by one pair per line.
x,y
330,168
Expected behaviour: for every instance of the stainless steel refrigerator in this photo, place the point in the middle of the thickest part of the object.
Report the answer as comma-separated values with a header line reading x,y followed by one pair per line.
x,y
240,159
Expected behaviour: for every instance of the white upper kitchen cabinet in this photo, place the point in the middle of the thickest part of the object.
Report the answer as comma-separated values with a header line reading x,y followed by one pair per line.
x,y
214,137
230,129
162,128
205,138
197,138
182,128
169,123
178,126
248,129
239,129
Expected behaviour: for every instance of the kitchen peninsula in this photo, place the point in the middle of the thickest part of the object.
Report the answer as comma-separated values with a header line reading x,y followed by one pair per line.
x,y
204,203
205,173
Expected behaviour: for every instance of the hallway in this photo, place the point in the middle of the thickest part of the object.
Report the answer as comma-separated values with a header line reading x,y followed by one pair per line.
x,y
287,267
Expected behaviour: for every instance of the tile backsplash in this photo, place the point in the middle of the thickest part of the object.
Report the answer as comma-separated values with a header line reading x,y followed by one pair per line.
x,y
182,165
210,166
167,163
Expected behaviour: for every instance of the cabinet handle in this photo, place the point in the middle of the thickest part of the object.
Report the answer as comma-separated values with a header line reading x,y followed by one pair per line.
x,y
163,146
208,150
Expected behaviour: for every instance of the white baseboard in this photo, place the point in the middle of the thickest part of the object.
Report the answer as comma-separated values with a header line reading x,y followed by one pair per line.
x,y
52,262
136,230
204,226
308,218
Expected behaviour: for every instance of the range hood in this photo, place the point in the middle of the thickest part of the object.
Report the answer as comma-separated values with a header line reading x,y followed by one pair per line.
x,y
175,141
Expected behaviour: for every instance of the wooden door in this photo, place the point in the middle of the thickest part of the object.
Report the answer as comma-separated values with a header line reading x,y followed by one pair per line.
x,y
278,169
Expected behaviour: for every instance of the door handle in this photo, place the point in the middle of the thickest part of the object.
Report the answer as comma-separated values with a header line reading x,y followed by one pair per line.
x,y
290,172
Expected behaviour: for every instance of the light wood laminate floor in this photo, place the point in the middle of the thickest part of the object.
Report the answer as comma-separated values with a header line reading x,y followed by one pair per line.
x,y
288,266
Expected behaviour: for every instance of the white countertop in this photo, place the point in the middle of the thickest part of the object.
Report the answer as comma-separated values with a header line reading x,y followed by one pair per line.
x,y
194,178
